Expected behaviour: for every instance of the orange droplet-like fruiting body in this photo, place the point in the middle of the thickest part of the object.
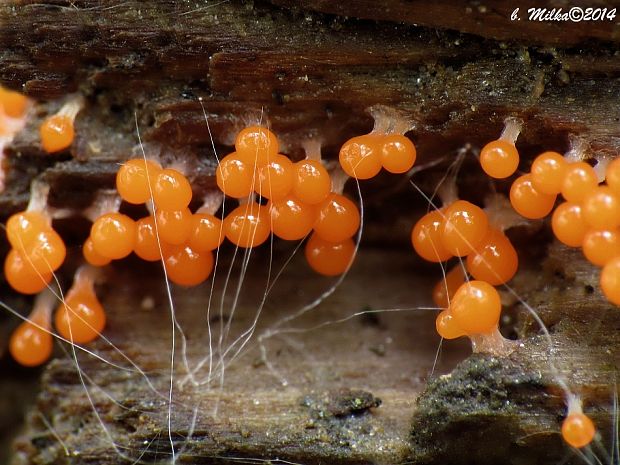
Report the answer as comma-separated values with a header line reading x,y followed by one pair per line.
x,y
548,171
12,103
610,280
186,267
527,201
30,345
81,318
171,190
135,178
275,179
256,145
329,258
234,177
23,228
499,159
426,237
578,430
47,252
601,246
291,219
21,276
446,287
57,133
601,208
91,255
476,307
568,224
360,157
207,232
247,225
312,183
398,153
446,326
337,218
174,226
146,245
612,175
579,180
465,226
113,235
495,260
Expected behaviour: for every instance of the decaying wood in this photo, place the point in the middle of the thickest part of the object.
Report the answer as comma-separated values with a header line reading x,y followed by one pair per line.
x,y
487,19
310,74
299,403
513,406
312,71
308,405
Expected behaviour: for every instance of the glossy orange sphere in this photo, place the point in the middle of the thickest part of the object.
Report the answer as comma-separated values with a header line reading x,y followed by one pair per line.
x,y
234,177
612,175
329,258
81,318
248,225
23,228
465,226
12,103
57,133
256,145
568,224
548,171
146,245
476,307
499,159
578,430
398,153
600,246
610,280
91,255
338,218
446,326
22,277
275,179
172,190
207,232
174,226
113,235
47,252
529,202
360,157
312,183
495,260
579,180
186,267
601,208
30,346
291,219
426,237
135,180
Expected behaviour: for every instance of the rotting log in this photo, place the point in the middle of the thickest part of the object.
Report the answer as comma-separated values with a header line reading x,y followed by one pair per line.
x,y
332,388
457,71
298,403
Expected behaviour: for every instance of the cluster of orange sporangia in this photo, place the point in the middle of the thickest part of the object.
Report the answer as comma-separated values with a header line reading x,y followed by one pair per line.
x,y
301,199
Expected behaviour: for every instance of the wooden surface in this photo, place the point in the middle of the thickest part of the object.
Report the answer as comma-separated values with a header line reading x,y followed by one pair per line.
x,y
492,20
290,405
312,69
309,74
314,397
